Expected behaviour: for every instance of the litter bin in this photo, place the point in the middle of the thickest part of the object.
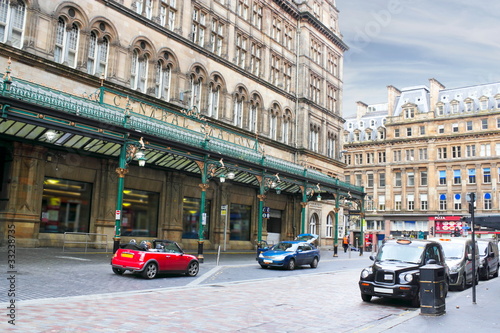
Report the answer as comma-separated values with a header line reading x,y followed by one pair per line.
x,y
432,290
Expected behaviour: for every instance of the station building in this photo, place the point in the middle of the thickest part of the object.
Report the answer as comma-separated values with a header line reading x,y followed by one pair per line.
x,y
206,122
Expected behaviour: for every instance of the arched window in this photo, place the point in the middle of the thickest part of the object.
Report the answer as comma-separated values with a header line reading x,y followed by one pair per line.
x,y
253,114
273,125
214,91
330,146
252,118
314,137
196,85
162,80
274,119
97,61
12,21
139,71
66,48
238,112
313,224
286,126
329,225
239,102
213,101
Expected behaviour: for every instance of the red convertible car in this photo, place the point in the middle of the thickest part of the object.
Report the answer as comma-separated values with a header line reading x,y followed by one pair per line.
x,y
163,256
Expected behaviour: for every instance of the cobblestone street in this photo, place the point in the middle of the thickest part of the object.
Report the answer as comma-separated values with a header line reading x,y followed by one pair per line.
x,y
317,302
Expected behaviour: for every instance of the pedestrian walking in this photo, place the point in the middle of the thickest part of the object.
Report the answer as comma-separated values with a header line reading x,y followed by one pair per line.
x,y
345,243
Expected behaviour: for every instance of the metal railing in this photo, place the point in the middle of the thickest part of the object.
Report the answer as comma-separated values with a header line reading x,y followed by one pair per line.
x,y
88,240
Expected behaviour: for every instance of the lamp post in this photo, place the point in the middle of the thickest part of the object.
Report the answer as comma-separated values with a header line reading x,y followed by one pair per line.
x,y
265,184
130,150
336,231
208,170
307,192
471,198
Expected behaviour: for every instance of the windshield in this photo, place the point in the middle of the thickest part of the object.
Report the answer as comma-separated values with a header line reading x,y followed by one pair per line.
x,y
289,247
482,248
404,253
453,250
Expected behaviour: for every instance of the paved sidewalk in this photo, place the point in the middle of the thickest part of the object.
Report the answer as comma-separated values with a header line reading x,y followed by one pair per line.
x,y
461,314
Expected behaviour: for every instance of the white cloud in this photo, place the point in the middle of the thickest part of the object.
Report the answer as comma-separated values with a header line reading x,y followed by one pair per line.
x,y
406,42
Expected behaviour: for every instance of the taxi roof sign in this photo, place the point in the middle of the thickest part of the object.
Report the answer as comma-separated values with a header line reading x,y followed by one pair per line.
x,y
404,241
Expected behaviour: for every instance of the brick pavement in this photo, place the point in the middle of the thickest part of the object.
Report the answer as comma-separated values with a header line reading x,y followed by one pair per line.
x,y
315,302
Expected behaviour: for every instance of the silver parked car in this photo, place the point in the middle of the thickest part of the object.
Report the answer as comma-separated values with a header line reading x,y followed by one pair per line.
x,y
458,257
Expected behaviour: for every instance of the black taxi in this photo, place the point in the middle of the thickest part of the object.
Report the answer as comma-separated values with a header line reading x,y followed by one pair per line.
x,y
395,271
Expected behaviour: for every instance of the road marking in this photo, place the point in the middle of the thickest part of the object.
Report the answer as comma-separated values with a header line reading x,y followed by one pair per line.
x,y
72,258
204,276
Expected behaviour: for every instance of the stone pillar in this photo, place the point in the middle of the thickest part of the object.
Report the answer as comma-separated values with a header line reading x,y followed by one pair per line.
x,y
23,208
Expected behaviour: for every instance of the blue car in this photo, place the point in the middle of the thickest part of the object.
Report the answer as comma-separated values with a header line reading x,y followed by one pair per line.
x,y
290,254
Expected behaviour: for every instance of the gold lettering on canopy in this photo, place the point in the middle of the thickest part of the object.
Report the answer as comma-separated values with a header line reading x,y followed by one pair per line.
x,y
187,119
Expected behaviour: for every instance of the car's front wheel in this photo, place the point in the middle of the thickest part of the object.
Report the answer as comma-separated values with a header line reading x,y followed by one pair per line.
x,y
366,298
291,264
415,302
150,271
462,285
314,263
193,268
118,271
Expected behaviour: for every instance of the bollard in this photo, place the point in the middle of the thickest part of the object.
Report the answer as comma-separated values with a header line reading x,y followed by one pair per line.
x,y
432,290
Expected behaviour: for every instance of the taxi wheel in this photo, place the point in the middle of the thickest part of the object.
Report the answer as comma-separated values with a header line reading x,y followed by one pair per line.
x,y
416,301
314,263
150,271
496,273
193,268
118,271
291,264
487,276
366,298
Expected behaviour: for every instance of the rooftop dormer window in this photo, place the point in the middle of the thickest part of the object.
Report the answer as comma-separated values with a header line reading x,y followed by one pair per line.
x,y
409,113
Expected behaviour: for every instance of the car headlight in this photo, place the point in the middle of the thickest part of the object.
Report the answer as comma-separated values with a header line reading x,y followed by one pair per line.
x,y
454,268
405,277
261,255
366,272
282,257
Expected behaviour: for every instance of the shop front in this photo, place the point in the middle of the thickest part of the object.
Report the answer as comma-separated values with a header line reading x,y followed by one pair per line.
x,y
448,226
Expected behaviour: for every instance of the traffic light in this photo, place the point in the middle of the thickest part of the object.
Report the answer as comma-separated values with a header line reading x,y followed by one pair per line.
x,y
471,207
432,231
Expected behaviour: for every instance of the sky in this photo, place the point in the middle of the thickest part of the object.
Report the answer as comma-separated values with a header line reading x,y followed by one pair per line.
x,y
405,43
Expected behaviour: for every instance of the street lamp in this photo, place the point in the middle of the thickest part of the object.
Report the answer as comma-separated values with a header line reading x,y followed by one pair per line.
x,y
265,184
307,193
208,170
471,199
129,150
